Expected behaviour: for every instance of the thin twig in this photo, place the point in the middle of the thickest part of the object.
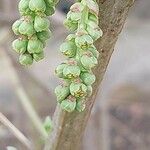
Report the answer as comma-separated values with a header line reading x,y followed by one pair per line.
x,y
23,97
18,134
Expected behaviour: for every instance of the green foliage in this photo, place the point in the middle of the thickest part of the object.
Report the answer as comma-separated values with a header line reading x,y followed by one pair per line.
x,y
81,55
32,29
48,124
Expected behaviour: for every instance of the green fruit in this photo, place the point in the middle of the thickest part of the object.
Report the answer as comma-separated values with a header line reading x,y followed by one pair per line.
x,y
27,28
88,61
84,41
50,2
94,51
44,35
41,24
71,25
50,10
39,56
24,7
26,59
88,78
61,92
75,12
77,7
71,38
20,45
37,5
68,105
80,106
74,16
68,49
16,25
35,46
93,18
71,71
59,70
95,33
78,90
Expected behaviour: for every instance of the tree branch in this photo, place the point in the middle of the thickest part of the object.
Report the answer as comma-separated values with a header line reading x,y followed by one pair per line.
x,y
19,135
69,127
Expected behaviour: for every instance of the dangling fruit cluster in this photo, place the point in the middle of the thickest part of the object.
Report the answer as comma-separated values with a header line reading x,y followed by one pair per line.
x,y
32,29
81,54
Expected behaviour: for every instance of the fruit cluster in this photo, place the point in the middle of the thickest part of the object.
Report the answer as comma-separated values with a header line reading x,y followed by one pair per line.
x,y
82,56
32,29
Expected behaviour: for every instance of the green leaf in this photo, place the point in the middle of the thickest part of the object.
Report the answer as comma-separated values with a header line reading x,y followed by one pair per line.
x,y
48,124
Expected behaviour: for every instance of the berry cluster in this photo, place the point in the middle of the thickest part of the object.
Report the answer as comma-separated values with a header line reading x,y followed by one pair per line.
x,y
82,56
32,29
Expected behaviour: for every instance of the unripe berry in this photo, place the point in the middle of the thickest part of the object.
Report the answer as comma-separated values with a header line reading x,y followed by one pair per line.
x,y
84,41
92,6
38,56
88,78
24,7
61,92
50,2
26,27
20,45
16,25
37,5
41,24
71,38
88,61
50,10
74,16
68,49
95,33
26,59
93,17
78,90
44,35
71,25
75,11
69,104
71,71
59,70
35,46
94,51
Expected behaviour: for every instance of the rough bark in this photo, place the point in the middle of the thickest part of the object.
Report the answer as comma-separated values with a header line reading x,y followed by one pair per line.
x,y
69,127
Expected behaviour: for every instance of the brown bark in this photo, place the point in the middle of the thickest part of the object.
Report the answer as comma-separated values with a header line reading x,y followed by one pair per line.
x,y
69,127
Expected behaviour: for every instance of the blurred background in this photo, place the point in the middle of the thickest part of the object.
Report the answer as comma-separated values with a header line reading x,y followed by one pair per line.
x,y
120,119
